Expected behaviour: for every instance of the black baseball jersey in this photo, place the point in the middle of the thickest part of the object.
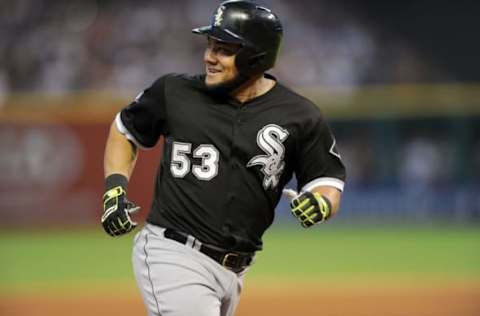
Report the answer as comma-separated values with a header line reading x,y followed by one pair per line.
x,y
225,163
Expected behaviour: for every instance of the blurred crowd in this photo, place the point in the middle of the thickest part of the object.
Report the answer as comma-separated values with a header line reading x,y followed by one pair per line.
x,y
56,47
412,154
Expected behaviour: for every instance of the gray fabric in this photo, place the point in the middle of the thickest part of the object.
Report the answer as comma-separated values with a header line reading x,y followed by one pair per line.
x,y
177,280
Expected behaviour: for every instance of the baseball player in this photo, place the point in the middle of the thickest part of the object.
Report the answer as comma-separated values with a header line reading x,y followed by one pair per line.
x,y
234,137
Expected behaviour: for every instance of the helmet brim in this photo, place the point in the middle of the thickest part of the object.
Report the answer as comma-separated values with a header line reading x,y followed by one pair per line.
x,y
222,35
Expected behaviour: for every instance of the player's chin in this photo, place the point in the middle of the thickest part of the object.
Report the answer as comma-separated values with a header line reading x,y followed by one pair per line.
x,y
213,80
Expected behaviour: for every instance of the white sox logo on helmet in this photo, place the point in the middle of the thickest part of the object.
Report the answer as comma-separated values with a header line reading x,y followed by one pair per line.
x,y
219,16
270,139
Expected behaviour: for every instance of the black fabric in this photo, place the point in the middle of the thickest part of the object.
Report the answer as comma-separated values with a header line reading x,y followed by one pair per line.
x,y
316,140
145,117
212,182
115,180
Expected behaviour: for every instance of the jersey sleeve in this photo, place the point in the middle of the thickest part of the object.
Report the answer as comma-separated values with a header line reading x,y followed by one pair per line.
x,y
318,161
144,120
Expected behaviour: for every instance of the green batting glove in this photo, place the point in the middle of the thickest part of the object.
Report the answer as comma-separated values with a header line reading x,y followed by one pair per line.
x,y
116,218
311,208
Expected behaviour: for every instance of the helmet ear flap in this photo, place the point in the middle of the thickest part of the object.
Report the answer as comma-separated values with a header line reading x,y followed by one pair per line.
x,y
250,61
256,59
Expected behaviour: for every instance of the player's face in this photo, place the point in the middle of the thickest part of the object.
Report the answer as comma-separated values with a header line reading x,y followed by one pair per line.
x,y
219,59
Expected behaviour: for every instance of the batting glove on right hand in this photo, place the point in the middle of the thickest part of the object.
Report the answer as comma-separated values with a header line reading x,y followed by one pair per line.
x,y
116,218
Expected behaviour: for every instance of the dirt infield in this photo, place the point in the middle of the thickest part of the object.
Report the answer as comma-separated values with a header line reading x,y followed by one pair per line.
x,y
266,301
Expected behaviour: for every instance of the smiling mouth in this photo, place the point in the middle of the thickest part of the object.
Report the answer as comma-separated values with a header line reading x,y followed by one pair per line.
x,y
212,71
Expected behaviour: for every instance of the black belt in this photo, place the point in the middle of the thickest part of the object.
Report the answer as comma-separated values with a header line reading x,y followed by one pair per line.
x,y
234,261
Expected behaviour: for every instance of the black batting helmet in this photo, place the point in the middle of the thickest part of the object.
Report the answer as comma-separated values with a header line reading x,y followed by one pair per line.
x,y
256,28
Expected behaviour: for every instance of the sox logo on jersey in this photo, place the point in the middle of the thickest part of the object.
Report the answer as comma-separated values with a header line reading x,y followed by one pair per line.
x,y
270,139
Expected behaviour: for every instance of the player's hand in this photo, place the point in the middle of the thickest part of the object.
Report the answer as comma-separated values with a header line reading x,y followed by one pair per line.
x,y
116,212
310,208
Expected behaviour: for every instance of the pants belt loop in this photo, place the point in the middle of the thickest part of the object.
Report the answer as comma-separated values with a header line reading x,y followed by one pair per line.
x,y
197,244
190,241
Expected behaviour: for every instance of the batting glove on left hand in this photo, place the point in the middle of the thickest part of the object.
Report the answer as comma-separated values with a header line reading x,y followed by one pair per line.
x,y
116,212
311,208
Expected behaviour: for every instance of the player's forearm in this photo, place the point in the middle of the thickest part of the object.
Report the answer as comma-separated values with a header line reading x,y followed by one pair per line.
x,y
332,194
120,154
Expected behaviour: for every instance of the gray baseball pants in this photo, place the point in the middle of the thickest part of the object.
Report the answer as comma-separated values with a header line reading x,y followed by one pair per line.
x,y
178,280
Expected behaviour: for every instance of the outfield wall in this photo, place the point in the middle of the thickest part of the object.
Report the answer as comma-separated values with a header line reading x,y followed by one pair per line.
x,y
53,172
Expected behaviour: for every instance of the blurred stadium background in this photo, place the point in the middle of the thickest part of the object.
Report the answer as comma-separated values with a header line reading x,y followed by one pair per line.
x,y
399,80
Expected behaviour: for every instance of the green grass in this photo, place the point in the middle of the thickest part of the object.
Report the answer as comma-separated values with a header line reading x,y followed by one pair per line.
x,y
408,254
89,257
63,257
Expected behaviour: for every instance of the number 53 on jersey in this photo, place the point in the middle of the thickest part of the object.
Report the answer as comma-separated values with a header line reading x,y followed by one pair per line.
x,y
181,165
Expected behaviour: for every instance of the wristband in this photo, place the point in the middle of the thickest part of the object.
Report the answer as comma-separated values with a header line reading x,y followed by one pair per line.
x,y
115,180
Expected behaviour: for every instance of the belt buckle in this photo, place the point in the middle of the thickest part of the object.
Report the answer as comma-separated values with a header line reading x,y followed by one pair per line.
x,y
227,257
